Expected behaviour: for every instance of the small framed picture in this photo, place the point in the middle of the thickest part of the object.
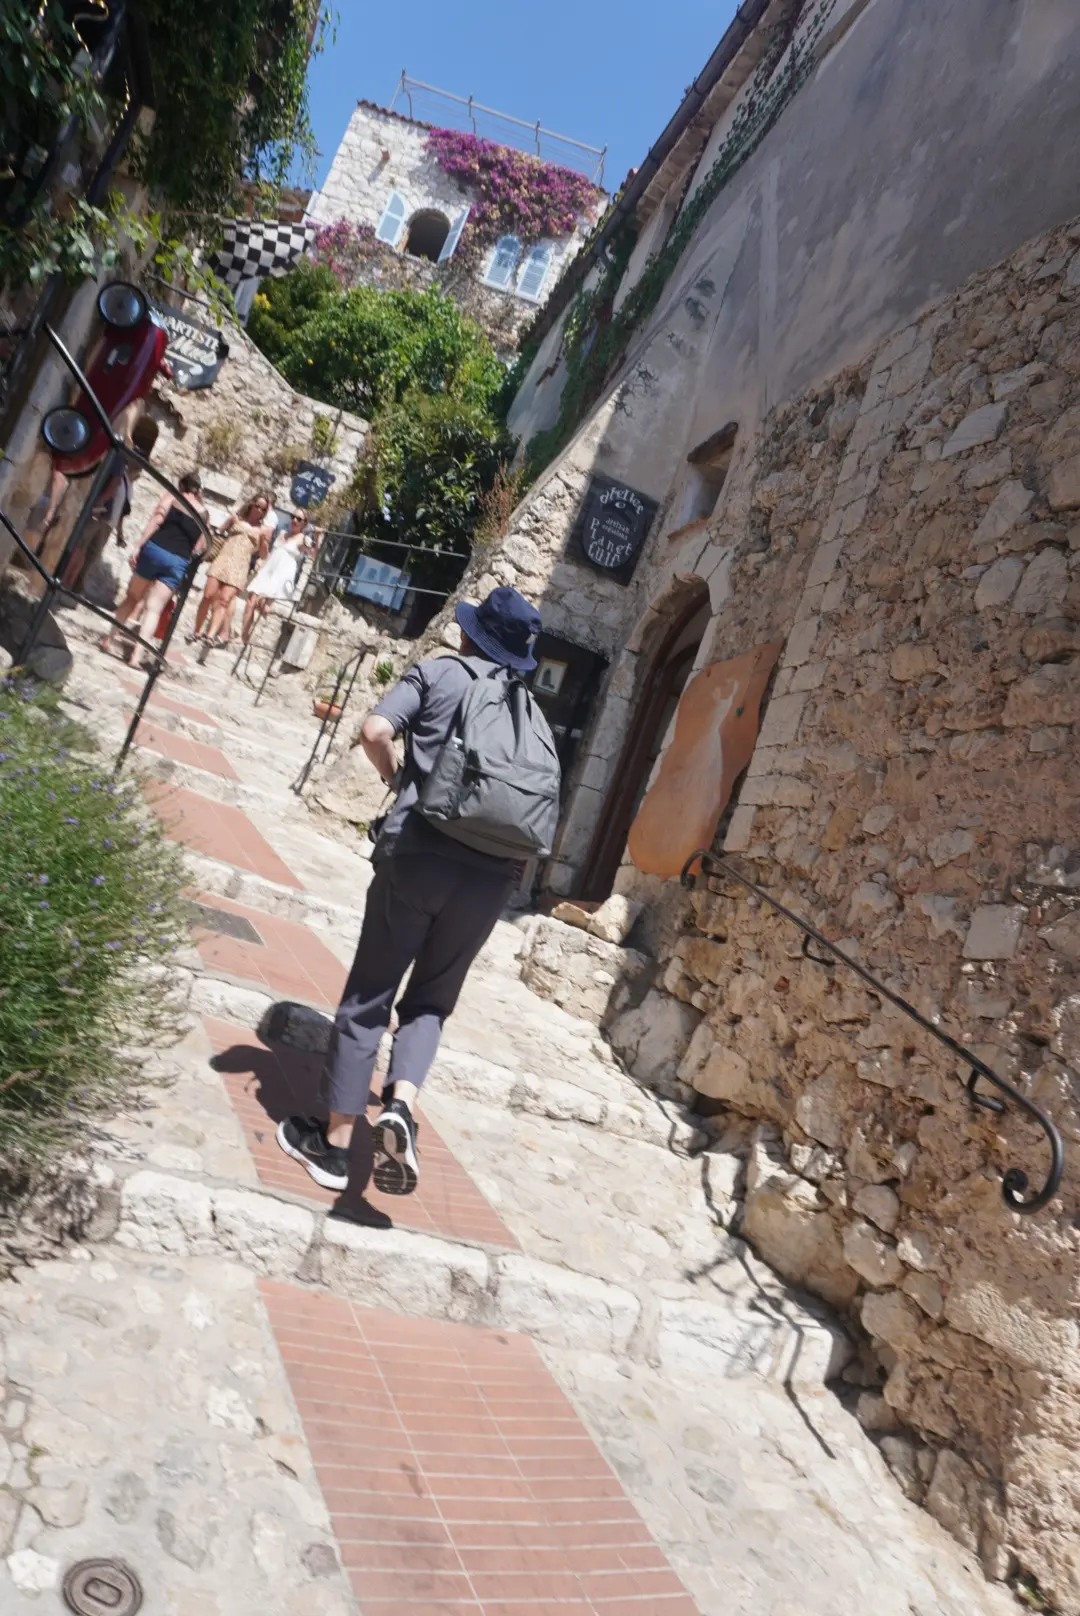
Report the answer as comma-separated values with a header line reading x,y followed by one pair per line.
x,y
549,677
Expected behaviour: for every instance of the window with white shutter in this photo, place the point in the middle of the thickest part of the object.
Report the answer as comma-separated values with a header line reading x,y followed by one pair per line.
x,y
392,224
455,235
535,271
504,261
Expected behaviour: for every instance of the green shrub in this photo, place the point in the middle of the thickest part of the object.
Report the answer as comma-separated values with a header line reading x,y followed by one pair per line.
x,y
89,905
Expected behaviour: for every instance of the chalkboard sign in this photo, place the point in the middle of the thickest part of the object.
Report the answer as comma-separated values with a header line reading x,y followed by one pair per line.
x,y
612,526
310,485
195,352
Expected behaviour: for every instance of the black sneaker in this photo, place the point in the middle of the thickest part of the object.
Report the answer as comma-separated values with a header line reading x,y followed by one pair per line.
x,y
396,1167
304,1139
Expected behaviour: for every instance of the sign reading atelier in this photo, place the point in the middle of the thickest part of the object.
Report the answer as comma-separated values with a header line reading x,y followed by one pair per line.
x,y
195,353
612,526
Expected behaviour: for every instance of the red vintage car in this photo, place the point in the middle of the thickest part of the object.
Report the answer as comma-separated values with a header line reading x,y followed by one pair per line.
x,y
122,367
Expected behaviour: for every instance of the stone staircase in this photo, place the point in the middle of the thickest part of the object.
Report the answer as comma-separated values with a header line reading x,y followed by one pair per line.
x,y
604,1216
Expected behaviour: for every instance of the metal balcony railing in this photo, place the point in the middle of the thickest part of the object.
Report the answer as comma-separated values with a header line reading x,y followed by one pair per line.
x,y
1015,1183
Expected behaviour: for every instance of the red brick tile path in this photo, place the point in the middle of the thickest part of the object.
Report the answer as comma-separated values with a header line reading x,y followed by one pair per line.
x,y
458,1476
217,830
266,1084
182,750
158,698
291,962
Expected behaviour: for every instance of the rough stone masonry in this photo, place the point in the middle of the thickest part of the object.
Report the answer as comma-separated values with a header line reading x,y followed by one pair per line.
x,y
915,532
912,529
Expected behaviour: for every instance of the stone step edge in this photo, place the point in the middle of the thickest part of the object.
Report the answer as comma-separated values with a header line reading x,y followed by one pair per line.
x,y
230,791
304,1026
217,732
427,1276
273,897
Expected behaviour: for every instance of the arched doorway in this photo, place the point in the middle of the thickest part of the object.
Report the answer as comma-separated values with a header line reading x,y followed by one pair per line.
x,y
428,231
668,668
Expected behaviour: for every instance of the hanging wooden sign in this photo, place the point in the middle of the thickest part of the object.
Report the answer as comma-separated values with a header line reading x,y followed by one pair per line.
x,y
195,352
612,527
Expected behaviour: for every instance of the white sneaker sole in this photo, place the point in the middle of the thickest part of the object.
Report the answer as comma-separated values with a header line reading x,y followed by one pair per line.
x,y
397,1170
328,1181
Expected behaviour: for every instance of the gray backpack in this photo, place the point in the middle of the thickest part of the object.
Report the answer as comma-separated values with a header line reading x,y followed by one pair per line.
x,y
495,784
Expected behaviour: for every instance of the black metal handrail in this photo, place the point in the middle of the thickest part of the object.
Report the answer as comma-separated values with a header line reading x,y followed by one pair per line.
x,y
332,720
55,587
1015,1182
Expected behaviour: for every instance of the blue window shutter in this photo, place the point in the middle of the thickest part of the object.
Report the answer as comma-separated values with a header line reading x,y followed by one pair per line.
x,y
454,237
532,277
504,262
392,224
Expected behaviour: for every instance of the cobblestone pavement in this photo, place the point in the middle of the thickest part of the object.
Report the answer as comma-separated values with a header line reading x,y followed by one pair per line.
x,y
551,1382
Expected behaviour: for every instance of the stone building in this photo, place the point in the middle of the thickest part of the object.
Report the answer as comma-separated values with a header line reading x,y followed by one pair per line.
x,y
828,464
385,176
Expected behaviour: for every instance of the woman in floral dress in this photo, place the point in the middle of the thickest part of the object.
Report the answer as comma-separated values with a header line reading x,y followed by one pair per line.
x,y
247,537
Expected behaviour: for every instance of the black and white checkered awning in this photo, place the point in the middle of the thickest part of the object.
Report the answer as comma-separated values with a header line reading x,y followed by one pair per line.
x,y
252,249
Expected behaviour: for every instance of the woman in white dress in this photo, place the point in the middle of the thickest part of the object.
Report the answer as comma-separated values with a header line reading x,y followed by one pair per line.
x,y
276,578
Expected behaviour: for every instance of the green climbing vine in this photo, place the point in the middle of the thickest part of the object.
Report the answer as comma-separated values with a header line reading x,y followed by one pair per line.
x,y
594,338
231,107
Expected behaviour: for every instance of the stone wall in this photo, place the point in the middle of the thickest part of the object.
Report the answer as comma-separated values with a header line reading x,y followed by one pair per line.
x,y
914,793
382,151
911,528
240,434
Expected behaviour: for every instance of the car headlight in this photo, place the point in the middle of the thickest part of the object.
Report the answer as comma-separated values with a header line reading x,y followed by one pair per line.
x,y
66,430
122,305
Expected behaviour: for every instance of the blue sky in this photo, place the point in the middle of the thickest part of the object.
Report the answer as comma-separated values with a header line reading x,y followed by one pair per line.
x,y
602,72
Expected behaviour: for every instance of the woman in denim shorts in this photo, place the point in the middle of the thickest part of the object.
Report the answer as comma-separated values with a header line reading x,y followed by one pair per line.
x,y
173,540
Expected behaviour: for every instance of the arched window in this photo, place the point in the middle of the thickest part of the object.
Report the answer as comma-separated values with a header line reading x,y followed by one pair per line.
x,y
428,230
504,261
534,274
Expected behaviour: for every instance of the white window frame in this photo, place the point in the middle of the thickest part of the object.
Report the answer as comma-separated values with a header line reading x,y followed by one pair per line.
x,y
547,248
449,246
506,285
392,225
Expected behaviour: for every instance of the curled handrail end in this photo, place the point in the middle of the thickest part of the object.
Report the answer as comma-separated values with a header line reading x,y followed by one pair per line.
x,y
1015,1183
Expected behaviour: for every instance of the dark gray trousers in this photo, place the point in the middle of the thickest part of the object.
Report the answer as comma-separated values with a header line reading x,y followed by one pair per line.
x,y
426,911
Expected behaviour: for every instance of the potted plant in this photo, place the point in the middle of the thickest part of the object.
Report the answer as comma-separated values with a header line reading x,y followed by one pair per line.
x,y
324,705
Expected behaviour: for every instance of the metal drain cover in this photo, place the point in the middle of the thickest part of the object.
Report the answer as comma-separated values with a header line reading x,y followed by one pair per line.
x,y
102,1588
225,922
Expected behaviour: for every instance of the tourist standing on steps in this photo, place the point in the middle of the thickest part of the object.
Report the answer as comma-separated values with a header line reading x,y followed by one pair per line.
x,y
247,536
277,576
170,545
433,904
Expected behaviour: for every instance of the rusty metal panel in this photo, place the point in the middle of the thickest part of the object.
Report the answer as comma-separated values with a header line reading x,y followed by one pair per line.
x,y
715,733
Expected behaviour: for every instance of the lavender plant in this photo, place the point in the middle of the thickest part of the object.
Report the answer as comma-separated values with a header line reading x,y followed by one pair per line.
x,y
89,903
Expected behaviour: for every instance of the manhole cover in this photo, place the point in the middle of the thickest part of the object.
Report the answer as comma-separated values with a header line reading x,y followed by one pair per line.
x,y
102,1588
221,920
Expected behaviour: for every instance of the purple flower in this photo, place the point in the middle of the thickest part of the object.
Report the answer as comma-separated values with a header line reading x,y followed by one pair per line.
x,y
43,880
98,881
44,904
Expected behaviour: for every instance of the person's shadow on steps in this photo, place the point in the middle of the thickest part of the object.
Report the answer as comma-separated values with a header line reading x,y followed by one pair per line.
x,y
285,1082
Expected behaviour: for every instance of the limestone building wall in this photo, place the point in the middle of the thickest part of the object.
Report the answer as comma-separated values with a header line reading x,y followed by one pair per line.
x,y
382,152
902,509
911,528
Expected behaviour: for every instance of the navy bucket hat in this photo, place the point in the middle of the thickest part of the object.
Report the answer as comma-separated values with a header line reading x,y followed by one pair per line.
x,y
504,627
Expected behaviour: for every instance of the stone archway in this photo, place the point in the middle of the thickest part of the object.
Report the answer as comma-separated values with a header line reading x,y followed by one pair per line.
x,y
668,642
428,231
